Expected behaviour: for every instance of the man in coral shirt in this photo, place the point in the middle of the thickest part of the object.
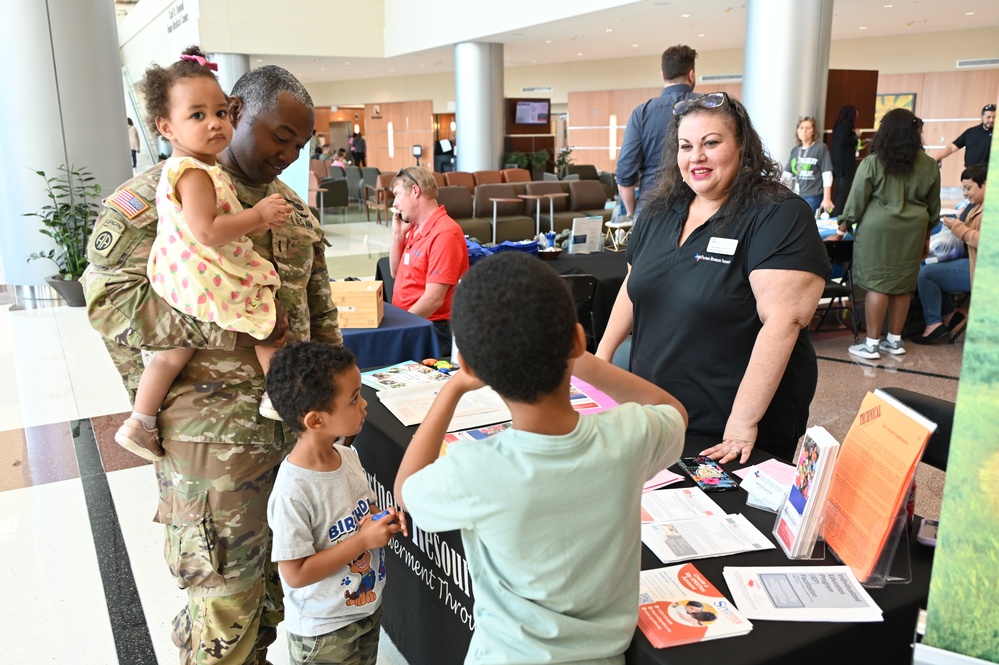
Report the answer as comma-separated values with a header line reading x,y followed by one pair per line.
x,y
428,254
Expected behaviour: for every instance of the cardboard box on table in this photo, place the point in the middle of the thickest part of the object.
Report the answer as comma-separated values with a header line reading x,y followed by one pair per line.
x,y
359,304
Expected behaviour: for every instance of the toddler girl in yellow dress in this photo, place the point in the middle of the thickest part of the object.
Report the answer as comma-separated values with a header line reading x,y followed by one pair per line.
x,y
202,263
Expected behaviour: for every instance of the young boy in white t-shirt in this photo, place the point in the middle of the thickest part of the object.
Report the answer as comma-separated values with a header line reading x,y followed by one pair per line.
x,y
549,509
328,532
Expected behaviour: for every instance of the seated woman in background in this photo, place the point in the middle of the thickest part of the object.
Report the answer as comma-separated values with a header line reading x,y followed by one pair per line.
x,y
725,269
810,168
894,203
938,280
341,158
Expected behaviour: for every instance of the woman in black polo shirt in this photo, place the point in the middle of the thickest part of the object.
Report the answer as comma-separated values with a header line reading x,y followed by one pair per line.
x,y
726,268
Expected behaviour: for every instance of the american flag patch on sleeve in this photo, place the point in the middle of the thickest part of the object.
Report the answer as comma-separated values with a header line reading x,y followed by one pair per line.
x,y
129,203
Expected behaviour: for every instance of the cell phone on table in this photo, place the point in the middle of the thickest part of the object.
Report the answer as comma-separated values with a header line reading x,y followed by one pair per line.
x,y
708,474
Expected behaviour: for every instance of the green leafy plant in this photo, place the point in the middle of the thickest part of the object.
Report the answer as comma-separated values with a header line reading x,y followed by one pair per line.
x,y
539,159
518,158
68,218
562,162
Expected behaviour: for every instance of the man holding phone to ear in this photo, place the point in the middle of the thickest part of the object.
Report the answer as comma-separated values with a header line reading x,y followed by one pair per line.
x,y
428,254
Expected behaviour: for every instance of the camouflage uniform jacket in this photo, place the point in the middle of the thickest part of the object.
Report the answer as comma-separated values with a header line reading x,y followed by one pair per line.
x,y
215,398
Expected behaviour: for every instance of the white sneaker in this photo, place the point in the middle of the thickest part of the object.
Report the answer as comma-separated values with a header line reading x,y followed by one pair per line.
x,y
894,348
865,350
267,409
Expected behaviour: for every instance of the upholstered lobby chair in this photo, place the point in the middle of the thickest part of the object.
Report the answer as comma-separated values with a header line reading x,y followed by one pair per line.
x,y
516,175
463,178
487,177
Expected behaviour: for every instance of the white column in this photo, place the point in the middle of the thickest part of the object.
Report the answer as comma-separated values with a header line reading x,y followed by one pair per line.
x,y
478,85
786,67
64,104
231,67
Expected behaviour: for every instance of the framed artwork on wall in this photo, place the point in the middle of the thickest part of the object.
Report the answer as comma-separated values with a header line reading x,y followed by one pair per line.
x,y
893,100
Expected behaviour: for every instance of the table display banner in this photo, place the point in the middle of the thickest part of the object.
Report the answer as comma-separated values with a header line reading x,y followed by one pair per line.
x,y
963,608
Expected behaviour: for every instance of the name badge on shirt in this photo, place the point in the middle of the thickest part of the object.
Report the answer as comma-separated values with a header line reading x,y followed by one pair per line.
x,y
405,259
723,246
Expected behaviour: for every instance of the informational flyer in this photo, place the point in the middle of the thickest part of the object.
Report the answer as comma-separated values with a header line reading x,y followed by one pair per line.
x,y
683,540
800,593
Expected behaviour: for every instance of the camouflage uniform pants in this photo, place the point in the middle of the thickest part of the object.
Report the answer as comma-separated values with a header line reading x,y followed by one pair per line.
x,y
354,644
213,505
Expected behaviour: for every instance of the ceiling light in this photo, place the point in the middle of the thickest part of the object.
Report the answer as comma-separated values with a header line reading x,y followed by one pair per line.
x,y
579,54
684,15
609,30
889,6
634,46
548,41
863,27
700,34
969,13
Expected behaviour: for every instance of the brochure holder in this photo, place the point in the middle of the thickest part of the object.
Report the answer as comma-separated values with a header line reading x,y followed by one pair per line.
x,y
893,565
813,548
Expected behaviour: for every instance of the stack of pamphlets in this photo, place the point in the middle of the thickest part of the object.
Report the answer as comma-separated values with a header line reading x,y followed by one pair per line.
x,y
678,605
682,524
800,518
800,593
874,473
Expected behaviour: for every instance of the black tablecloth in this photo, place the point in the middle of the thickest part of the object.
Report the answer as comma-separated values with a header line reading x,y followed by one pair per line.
x,y
428,600
609,268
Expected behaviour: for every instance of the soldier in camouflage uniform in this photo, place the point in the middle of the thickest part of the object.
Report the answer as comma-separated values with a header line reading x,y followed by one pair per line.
x,y
221,455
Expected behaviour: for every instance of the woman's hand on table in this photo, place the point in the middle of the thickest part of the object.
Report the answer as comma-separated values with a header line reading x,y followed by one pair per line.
x,y
733,447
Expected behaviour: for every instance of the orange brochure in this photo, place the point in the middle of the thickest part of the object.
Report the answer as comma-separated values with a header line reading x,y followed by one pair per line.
x,y
874,470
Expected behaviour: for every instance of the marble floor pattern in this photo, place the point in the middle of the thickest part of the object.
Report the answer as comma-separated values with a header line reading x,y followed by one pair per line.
x,y
82,558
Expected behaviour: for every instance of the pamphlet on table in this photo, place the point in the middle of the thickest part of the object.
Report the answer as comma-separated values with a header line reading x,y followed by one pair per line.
x,y
678,605
800,593
874,472
408,373
662,479
683,503
587,235
800,516
720,535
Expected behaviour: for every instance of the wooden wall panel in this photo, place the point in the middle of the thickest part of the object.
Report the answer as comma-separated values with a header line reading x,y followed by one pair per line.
x,y
412,124
590,114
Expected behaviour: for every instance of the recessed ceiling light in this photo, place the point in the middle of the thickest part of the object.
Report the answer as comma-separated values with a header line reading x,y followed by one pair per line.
x,y
578,54
548,41
969,13
684,15
700,34
609,30
347,63
889,6
863,27
634,46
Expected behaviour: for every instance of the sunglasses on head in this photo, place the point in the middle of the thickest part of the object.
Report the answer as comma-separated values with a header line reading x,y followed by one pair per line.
x,y
403,173
711,100
989,108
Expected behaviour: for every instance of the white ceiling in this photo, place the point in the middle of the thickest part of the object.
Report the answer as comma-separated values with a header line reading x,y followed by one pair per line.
x,y
645,28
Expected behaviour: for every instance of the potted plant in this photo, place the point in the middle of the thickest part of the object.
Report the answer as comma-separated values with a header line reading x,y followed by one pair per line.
x,y
539,160
68,218
518,159
562,162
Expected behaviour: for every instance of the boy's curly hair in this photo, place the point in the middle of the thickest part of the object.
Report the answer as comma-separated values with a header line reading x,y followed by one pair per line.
x,y
302,378
155,85
514,321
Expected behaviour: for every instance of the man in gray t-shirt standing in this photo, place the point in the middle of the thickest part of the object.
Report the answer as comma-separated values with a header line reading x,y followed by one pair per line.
x,y
638,163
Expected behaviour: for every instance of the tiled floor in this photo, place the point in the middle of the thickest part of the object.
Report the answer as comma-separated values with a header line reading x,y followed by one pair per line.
x,y
77,545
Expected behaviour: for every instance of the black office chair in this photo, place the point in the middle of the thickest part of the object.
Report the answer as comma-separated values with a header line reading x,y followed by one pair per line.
x,y
335,196
584,290
937,410
840,252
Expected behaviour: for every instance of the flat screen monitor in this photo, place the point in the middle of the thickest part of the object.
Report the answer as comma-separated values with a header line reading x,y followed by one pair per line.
x,y
532,113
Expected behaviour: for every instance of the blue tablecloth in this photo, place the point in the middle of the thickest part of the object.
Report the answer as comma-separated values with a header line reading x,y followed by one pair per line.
x,y
401,336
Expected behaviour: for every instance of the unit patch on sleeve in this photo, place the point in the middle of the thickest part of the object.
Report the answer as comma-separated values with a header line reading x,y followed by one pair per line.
x,y
105,236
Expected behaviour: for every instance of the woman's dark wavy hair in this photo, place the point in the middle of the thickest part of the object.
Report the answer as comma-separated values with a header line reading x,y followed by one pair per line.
x,y
847,115
898,142
155,85
758,178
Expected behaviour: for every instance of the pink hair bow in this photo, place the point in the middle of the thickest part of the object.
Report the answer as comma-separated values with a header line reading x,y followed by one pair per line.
x,y
201,61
